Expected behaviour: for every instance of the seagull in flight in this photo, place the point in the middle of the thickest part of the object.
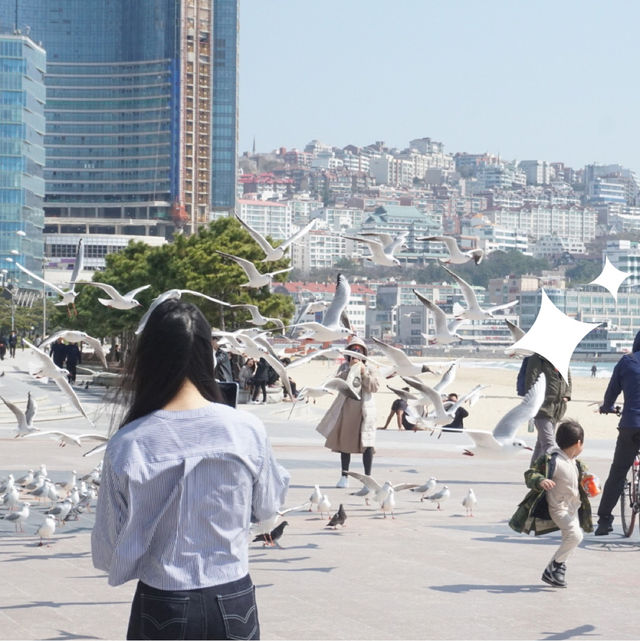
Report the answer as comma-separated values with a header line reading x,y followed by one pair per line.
x,y
430,396
256,279
173,293
401,363
257,318
382,247
331,329
474,311
456,257
69,295
117,300
46,369
75,336
445,329
275,253
25,419
70,439
501,442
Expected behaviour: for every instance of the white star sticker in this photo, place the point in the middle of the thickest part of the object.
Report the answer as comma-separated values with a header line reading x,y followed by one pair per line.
x,y
553,335
610,278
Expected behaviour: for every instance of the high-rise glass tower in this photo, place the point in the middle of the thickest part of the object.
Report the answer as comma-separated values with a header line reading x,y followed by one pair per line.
x,y
224,133
22,156
131,100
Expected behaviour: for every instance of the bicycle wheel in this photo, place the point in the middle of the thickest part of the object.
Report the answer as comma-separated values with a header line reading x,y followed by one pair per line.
x,y
629,500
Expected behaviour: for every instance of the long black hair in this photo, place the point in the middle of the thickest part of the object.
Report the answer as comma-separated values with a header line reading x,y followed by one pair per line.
x,y
175,345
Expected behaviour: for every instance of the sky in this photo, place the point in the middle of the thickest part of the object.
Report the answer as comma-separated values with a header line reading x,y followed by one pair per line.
x,y
545,80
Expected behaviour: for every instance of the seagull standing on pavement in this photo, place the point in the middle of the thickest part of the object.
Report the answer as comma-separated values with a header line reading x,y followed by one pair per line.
x,y
324,505
18,518
275,253
426,487
441,496
46,529
469,502
456,257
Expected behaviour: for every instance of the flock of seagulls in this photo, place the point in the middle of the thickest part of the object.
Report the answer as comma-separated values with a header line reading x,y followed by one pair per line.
x,y
60,502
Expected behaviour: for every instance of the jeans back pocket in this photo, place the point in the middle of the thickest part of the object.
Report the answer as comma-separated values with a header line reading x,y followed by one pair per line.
x,y
240,614
163,617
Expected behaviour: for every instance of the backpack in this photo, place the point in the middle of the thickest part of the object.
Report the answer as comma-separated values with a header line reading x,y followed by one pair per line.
x,y
522,375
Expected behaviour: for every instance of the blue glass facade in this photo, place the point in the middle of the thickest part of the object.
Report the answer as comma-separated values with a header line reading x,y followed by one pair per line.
x,y
118,109
22,155
224,131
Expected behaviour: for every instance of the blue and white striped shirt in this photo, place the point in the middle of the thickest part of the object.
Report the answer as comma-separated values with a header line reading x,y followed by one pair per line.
x,y
178,492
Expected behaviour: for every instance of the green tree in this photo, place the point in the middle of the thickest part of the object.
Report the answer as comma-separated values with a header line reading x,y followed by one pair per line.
x,y
190,262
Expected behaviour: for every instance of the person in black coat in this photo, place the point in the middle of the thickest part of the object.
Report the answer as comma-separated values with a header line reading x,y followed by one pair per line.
x,y
58,352
260,379
74,356
223,371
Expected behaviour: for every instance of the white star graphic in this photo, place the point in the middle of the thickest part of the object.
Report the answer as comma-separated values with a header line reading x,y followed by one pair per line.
x,y
553,335
610,278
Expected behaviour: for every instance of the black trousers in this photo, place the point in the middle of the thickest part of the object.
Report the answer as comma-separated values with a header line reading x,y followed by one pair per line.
x,y
260,385
226,611
627,446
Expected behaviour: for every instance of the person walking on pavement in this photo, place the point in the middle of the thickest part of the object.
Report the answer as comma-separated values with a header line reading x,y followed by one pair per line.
x,y
626,379
13,343
349,425
554,406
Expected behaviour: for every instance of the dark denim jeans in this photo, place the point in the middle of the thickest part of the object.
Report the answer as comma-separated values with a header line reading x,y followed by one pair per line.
x,y
226,611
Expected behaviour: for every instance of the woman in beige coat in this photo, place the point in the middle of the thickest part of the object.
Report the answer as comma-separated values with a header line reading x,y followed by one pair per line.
x,y
349,424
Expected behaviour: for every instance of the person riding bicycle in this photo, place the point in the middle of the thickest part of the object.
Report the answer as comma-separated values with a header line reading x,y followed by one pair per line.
x,y
626,379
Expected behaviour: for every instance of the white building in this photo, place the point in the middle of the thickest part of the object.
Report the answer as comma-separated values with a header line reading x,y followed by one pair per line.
x,y
577,223
555,246
266,217
625,256
538,172
318,249
492,237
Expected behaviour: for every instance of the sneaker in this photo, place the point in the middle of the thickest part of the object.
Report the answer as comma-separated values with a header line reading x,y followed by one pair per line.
x,y
343,482
603,529
554,574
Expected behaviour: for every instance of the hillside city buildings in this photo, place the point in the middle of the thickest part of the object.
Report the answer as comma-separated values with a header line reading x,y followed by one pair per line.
x,y
119,122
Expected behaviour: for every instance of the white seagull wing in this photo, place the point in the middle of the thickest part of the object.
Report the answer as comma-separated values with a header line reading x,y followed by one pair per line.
x,y
527,408
41,280
257,236
340,300
367,481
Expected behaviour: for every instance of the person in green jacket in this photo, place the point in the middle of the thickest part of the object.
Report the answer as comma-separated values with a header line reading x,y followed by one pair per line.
x,y
557,393
557,499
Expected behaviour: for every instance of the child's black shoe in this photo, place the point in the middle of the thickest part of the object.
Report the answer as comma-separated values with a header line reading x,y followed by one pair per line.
x,y
554,574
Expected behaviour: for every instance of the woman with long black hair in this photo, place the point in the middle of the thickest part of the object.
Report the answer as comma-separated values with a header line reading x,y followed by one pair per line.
x,y
182,479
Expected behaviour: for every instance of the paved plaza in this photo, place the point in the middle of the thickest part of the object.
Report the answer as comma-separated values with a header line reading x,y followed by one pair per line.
x,y
427,574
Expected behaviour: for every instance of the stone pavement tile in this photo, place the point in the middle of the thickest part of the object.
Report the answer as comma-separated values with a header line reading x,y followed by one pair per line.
x,y
425,574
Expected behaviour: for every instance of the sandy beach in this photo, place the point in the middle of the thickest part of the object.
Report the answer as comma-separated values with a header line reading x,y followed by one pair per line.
x,y
497,399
